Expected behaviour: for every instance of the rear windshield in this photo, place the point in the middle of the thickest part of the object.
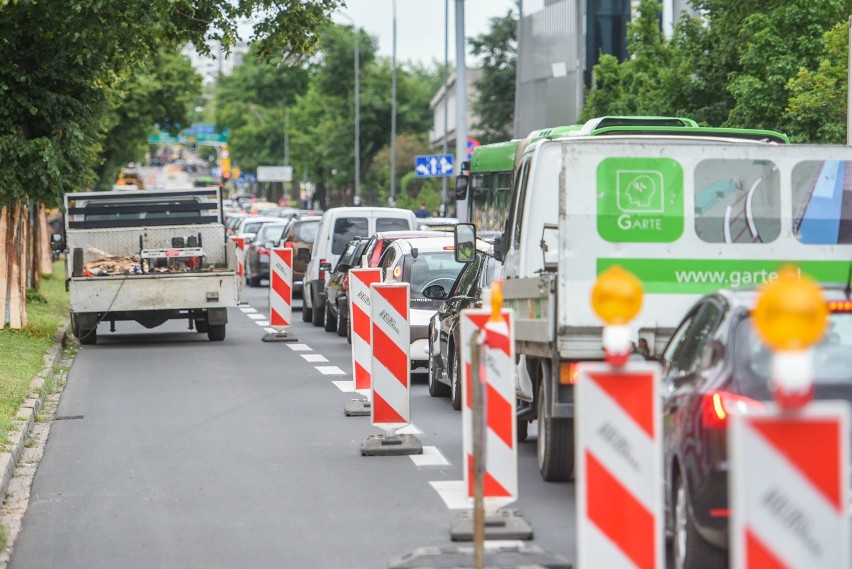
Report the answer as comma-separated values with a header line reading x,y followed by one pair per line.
x,y
306,232
345,230
392,224
251,226
271,232
832,356
429,269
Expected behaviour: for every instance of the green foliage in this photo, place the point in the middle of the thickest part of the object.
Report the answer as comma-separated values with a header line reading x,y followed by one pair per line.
x,y
742,63
498,48
65,63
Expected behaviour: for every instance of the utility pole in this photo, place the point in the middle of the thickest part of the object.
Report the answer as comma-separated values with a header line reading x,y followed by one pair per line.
x,y
445,148
392,196
461,99
356,199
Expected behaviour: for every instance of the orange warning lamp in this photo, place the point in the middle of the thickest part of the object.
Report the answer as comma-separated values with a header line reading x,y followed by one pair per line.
x,y
496,301
617,296
791,313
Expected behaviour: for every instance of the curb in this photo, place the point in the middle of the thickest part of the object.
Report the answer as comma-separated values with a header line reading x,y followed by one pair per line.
x,y
28,410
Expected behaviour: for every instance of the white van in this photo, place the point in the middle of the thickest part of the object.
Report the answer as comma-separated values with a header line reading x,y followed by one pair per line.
x,y
338,227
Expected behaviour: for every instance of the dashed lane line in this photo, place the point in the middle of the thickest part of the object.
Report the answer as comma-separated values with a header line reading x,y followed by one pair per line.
x,y
262,323
452,493
271,330
431,457
248,310
300,347
330,370
314,358
345,386
410,429
256,316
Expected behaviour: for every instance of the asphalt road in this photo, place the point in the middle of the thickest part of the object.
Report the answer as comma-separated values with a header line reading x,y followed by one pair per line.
x,y
199,454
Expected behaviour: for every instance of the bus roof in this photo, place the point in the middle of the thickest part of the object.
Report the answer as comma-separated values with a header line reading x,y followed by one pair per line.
x,y
496,157
741,133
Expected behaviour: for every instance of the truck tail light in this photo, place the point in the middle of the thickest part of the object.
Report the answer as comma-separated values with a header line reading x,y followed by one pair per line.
x,y
840,306
321,272
568,373
716,406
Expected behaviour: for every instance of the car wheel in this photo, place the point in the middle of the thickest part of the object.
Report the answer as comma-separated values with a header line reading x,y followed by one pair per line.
x,y
318,312
216,333
436,387
455,382
348,332
523,427
689,549
251,280
555,444
307,311
342,323
329,322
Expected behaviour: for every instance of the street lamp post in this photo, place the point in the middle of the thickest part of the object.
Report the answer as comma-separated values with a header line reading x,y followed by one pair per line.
x,y
461,97
392,196
446,99
356,199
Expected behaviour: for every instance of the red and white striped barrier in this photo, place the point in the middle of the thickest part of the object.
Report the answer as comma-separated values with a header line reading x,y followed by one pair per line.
x,y
391,365
241,249
788,484
280,287
619,466
361,322
500,485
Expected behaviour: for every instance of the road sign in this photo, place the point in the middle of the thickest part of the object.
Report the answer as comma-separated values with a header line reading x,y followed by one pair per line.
x,y
433,165
788,482
471,144
274,173
619,457
249,178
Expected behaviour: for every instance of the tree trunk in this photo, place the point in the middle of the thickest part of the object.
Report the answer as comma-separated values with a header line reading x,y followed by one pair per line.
x,y
4,273
25,260
13,256
45,259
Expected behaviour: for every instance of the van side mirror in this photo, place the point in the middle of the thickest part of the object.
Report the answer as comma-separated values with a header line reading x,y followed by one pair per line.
x,y
464,240
498,248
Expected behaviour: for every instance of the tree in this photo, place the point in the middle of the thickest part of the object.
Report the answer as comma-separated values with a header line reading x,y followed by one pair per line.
x,y
495,107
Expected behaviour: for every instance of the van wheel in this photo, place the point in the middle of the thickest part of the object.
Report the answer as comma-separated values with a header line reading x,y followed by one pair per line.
x,y
555,445
436,387
342,323
307,311
318,312
329,323
216,332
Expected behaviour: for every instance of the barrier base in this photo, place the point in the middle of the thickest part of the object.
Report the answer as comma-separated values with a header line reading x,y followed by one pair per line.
x,y
391,445
461,557
357,408
279,337
502,524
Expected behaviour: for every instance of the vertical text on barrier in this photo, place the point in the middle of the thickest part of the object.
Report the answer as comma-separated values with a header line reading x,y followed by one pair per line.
x,y
788,483
361,323
501,453
619,466
280,288
391,368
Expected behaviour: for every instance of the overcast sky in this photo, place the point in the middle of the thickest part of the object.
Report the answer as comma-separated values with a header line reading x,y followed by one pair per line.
x,y
420,24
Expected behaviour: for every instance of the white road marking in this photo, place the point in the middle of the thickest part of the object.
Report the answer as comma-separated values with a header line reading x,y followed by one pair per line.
x,y
299,347
452,493
431,457
272,330
410,430
330,370
255,316
262,323
345,386
248,310
315,358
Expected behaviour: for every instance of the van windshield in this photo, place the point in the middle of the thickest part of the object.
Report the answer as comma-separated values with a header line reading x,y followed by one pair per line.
x,y
345,230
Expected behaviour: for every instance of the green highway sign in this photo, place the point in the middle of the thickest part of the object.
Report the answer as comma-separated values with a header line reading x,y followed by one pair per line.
x,y
185,138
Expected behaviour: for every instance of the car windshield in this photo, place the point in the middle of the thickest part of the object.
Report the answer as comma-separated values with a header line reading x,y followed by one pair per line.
x,y
306,232
429,269
832,355
251,226
271,232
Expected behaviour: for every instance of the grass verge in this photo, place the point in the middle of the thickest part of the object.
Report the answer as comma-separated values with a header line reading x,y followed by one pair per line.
x,y
22,351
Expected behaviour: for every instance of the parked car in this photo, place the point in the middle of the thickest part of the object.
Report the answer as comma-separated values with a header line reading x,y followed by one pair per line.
x,y
337,290
300,234
338,226
257,252
250,225
437,223
714,363
379,241
429,266
444,349
233,221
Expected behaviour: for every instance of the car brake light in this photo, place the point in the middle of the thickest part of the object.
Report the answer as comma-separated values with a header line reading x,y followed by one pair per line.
x,y
345,284
262,251
568,373
840,306
716,406
288,245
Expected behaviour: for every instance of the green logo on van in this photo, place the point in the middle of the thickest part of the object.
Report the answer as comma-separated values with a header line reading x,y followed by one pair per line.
x,y
640,200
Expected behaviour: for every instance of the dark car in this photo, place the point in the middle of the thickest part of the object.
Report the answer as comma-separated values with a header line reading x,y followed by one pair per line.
x,y
444,358
300,235
257,252
713,364
337,290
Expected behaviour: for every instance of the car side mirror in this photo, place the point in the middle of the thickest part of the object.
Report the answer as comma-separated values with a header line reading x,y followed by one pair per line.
x,y
303,255
498,248
464,241
435,292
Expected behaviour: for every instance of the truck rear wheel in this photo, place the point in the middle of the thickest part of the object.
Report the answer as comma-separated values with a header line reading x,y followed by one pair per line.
x,y
555,445
216,332
88,337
